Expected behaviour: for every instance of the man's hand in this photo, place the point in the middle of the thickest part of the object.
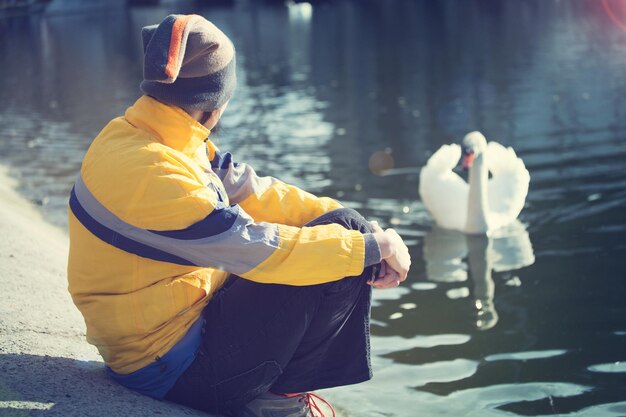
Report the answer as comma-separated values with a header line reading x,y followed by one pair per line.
x,y
396,259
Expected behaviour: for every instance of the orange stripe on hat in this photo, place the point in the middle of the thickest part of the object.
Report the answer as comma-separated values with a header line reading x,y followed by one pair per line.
x,y
178,29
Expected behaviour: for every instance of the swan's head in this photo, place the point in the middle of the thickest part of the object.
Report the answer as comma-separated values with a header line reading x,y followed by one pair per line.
x,y
474,143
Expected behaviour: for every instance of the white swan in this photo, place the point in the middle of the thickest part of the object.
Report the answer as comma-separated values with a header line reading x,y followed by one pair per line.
x,y
483,205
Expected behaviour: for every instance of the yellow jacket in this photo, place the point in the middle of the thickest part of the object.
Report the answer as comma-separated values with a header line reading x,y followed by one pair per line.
x,y
188,216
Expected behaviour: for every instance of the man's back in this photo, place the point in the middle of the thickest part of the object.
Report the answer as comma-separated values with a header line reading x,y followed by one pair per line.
x,y
137,308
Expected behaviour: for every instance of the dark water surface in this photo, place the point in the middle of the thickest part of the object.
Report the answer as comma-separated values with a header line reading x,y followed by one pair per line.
x,y
529,322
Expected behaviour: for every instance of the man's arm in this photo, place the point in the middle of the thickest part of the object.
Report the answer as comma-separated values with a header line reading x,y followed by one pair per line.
x,y
219,235
266,198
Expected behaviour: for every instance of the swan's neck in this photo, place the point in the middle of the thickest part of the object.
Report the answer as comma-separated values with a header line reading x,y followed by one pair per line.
x,y
477,203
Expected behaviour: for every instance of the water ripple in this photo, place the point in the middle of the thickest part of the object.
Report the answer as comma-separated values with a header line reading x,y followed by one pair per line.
x,y
525,356
615,367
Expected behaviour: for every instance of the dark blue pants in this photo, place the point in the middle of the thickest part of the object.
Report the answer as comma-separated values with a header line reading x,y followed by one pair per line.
x,y
288,339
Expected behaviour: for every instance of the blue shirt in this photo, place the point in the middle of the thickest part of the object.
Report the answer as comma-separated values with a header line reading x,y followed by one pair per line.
x,y
156,379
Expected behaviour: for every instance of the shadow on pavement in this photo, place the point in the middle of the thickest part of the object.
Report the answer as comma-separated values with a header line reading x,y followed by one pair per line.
x,y
50,386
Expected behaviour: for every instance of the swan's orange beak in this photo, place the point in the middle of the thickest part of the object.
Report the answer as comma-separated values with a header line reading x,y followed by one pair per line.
x,y
468,160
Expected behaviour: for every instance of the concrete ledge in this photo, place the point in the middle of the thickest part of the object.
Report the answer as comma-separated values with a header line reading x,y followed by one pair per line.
x,y
46,366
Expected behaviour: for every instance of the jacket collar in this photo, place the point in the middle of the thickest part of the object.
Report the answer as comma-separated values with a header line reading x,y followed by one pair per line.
x,y
171,125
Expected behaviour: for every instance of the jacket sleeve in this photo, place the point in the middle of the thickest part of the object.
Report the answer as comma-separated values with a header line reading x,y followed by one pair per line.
x,y
219,235
266,198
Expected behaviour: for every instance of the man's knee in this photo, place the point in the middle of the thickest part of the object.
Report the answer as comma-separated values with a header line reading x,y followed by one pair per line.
x,y
347,217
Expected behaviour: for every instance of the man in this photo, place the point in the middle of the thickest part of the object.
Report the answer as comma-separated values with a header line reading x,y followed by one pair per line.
x,y
200,282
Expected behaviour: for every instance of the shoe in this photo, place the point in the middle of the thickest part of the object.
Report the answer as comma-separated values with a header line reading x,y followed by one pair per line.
x,y
285,405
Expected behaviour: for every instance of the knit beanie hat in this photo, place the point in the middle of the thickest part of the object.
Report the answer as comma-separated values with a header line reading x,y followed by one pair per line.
x,y
188,62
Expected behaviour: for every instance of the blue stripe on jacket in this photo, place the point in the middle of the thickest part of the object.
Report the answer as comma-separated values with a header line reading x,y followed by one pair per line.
x,y
219,221
119,241
228,238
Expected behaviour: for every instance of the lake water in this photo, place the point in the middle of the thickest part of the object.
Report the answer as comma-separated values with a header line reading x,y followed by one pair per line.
x,y
530,322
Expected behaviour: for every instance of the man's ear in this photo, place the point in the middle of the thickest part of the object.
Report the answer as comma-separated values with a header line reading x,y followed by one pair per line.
x,y
200,116
204,117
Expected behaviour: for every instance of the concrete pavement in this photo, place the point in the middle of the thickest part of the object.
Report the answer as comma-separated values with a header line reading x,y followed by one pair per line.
x,y
46,366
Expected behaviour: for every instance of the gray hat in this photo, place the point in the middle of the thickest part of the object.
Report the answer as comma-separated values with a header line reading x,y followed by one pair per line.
x,y
188,62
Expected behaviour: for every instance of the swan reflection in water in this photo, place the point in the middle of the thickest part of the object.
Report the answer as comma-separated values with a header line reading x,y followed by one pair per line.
x,y
451,256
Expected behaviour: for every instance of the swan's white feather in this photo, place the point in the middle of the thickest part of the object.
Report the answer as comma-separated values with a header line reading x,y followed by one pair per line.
x,y
442,191
508,185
